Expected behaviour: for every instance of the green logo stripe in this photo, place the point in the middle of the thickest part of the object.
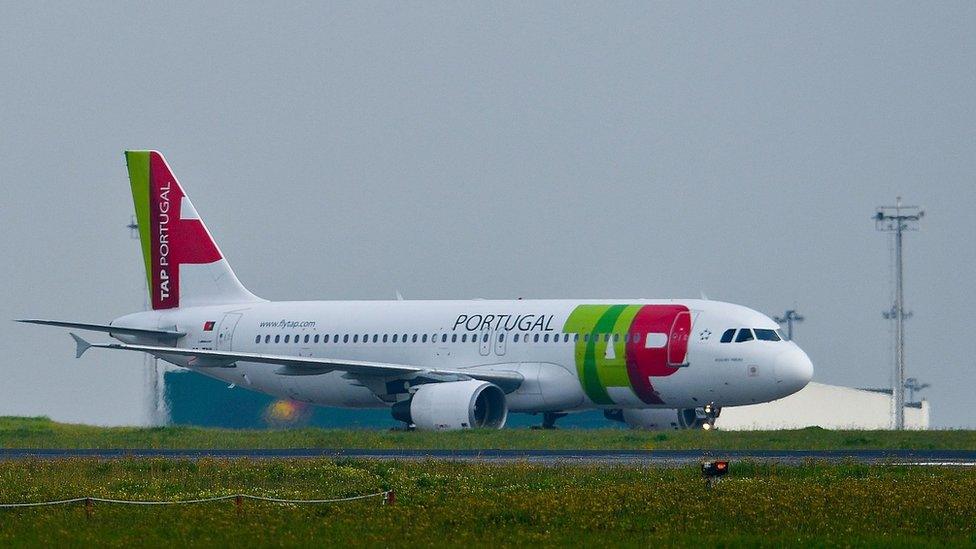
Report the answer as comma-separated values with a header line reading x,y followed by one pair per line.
x,y
596,371
613,368
582,321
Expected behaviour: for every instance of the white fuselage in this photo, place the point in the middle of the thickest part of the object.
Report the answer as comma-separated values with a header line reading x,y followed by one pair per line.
x,y
527,336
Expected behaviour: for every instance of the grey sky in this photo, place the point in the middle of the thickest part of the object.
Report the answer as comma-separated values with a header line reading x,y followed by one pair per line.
x,y
452,151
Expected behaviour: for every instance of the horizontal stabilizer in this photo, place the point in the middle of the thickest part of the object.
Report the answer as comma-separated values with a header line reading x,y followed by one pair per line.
x,y
107,328
80,345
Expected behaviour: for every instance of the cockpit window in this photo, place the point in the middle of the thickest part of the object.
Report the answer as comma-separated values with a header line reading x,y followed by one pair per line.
x,y
745,334
727,336
766,335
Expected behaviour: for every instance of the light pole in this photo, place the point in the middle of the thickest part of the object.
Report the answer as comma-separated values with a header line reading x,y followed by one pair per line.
x,y
914,385
788,318
898,219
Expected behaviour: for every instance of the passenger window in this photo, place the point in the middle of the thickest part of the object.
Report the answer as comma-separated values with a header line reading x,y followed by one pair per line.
x,y
277,338
414,338
586,338
453,338
316,340
423,339
763,334
355,338
287,337
745,334
727,336
535,338
464,338
384,338
443,338
395,337
575,338
345,338
545,338
485,338
257,339
565,338
501,338
306,338
375,338
335,338
267,339
515,338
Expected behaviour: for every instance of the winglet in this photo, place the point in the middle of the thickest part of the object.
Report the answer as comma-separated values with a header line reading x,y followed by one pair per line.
x,y
81,345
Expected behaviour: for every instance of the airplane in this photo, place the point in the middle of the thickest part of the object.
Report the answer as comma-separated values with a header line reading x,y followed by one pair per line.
x,y
440,364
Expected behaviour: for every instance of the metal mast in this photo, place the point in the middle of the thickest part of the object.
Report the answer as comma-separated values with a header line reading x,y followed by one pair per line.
x,y
898,219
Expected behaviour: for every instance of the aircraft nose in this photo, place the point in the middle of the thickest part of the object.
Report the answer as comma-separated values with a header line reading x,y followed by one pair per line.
x,y
793,370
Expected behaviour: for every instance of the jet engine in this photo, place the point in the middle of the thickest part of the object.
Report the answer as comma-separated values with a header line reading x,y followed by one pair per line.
x,y
454,405
658,419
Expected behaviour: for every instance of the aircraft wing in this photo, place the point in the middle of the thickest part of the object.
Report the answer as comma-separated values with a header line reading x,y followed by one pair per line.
x,y
303,366
108,328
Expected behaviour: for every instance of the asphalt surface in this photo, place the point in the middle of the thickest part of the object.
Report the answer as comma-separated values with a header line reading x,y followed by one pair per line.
x,y
546,457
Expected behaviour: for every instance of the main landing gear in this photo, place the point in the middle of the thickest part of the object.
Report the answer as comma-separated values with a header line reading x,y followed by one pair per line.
x,y
549,419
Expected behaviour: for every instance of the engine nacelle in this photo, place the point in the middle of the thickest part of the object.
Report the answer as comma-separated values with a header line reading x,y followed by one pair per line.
x,y
454,405
657,419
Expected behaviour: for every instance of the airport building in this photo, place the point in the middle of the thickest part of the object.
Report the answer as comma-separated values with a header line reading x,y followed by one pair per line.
x,y
826,406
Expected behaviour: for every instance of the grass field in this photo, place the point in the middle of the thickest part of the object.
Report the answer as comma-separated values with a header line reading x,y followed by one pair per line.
x,y
489,505
43,433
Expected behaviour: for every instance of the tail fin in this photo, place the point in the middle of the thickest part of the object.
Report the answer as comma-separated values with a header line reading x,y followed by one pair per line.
x,y
184,266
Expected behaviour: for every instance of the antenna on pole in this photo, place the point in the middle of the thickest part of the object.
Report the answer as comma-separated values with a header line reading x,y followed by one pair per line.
x,y
914,385
133,228
788,318
898,219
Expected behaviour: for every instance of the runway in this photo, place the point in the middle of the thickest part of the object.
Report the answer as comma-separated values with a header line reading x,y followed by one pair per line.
x,y
665,458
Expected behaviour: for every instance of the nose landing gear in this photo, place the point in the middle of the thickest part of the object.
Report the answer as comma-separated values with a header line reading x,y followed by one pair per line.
x,y
710,413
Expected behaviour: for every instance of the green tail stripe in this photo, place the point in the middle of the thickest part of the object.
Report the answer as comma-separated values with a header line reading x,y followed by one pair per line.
x,y
138,164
